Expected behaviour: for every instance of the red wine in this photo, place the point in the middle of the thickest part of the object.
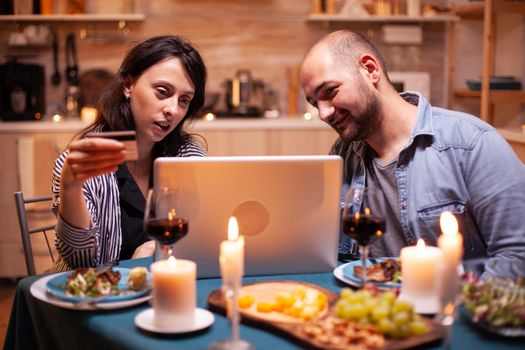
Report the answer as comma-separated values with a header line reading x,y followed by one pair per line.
x,y
167,231
364,228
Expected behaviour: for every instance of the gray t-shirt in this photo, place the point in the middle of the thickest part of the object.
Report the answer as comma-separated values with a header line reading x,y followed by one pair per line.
x,y
383,178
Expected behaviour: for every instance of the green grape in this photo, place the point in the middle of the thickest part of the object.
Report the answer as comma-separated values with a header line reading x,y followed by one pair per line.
x,y
401,331
339,308
364,294
388,297
402,317
346,293
380,312
358,297
357,312
401,305
347,310
371,304
386,326
416,317
394,318
418,328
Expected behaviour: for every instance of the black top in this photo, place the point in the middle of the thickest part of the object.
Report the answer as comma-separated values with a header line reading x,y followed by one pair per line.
x,y
132,204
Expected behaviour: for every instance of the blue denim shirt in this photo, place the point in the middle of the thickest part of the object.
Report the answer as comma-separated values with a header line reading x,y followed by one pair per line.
x,y
455,162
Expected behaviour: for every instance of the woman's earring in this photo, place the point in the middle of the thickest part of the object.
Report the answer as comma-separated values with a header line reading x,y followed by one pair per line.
x,y
127,96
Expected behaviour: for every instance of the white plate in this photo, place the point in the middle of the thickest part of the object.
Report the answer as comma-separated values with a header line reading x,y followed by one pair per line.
x,y
203,318
39,291
57,287
340,275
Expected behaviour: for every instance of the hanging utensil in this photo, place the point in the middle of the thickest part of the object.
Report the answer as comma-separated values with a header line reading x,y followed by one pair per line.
x,y
71,60
55,77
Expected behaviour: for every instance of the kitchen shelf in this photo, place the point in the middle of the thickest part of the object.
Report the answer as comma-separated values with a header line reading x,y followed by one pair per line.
x,y
476,10
470,11
487,12
129,17
397,19
495,95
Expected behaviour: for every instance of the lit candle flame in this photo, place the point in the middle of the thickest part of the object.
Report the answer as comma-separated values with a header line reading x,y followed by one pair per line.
x,y
172,214
172,262
367,211
449,224
233,229
420,243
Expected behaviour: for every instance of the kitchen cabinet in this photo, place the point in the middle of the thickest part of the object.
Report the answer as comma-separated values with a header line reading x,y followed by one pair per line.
x,y
25,164
260,137
488,12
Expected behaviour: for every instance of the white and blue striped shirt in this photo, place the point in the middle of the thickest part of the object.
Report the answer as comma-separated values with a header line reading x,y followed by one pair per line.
x,y
79,247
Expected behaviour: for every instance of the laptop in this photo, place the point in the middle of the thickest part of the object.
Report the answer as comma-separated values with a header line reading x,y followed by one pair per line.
x,y
287,208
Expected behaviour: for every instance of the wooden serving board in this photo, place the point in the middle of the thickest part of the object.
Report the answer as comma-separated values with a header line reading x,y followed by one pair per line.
x,y
291,327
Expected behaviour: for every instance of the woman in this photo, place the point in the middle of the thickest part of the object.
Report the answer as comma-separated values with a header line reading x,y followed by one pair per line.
x,y
100,198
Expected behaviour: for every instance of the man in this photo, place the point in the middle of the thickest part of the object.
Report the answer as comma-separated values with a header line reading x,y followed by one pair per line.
x,y
426,160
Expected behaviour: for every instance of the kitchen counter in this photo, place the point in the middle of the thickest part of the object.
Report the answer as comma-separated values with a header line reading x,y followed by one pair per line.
x,y
41,127
282,123
513,134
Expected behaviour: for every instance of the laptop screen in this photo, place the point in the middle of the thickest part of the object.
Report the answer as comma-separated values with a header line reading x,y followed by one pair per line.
x,y
287,208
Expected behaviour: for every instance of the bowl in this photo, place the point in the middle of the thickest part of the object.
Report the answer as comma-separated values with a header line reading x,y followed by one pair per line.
x,y
497,305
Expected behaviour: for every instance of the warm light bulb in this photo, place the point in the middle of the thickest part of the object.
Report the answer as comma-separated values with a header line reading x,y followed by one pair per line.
x,y
233,229
420,243
449,224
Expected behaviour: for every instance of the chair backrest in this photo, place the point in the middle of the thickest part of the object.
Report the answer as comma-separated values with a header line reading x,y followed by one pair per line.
x,y
26,232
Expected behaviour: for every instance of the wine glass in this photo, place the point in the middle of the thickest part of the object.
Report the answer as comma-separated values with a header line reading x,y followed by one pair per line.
x,y
363,219
162,220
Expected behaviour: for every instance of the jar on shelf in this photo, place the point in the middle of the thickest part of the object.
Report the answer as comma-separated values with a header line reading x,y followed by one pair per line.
x,y
75,7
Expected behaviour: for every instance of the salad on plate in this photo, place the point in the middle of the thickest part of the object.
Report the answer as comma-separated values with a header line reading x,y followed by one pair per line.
x,y
495,304
107,284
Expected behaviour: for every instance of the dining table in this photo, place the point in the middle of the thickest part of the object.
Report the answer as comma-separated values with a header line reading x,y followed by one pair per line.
x,y
35,324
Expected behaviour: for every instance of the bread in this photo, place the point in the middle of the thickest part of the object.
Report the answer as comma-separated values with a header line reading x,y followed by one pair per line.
x,y
137,278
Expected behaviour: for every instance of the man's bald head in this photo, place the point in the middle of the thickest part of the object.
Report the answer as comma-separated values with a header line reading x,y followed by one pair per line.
x,y
346,47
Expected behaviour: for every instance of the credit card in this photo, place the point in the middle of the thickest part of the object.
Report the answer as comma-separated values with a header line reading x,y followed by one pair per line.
x,y
128,138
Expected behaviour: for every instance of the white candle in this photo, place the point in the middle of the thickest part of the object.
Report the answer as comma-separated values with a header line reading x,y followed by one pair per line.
x,y
419,273
451,244
450,241
232,255
174,291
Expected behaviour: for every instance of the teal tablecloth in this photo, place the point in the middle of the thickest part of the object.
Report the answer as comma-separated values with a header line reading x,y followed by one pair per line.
x,y
37,325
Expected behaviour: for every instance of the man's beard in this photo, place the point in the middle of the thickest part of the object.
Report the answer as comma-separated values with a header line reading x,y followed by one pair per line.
x,y
367,122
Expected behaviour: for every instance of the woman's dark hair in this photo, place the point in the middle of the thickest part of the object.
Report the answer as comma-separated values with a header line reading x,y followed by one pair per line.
x,y
115,110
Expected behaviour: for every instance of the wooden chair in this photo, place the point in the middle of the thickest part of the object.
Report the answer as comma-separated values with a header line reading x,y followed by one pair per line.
x,y
26,232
